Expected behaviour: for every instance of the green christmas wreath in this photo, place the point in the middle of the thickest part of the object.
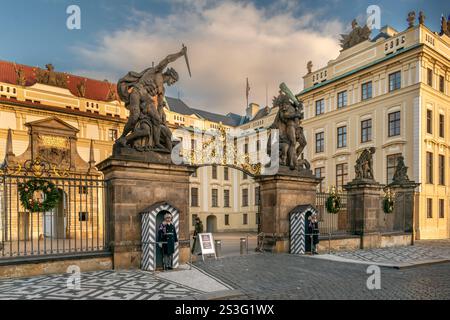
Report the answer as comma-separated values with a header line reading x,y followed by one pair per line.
x,y
333,203
388,205
388,201
38,195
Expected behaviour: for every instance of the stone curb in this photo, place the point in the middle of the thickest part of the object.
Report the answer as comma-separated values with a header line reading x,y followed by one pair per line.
x,y
400,265
217,295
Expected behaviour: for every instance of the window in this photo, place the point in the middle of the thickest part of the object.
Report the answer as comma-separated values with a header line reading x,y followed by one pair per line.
x,y
112,134
342,99
441,208
429,208
441,125
342,137
227,219
246,148
225,173
320,142
394,124
82,190
366,90
441,170
193,144
194,216
258,147
83,216
194,197
429,167
429,121
320,173
257,196
244,176
320,107
226,198
441,84
395,81
245,197
391,164
214,172
214,198
341,175
430,77
245,218
366,130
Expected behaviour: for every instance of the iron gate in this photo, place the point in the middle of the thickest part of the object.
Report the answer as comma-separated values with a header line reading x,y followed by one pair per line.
x,y
76,225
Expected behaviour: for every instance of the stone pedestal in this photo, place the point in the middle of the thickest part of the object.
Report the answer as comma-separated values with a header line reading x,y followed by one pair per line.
x,y
403,215
365,209
280,194
133,186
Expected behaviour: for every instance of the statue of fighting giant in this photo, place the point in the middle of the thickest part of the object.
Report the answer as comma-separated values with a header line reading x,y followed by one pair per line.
x,y
292,140
144,96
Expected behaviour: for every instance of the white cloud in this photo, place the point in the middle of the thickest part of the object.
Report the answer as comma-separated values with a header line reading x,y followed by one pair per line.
x,y
227,42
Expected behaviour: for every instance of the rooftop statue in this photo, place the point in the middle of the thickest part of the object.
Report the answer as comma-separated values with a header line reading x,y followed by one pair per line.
x,y
144,96
411,19
357,35
445,26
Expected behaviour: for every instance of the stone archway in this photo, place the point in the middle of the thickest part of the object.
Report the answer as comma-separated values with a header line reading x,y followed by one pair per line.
x,y
149,228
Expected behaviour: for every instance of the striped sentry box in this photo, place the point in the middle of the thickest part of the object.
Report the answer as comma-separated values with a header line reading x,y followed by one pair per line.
x,y
297,228
148,234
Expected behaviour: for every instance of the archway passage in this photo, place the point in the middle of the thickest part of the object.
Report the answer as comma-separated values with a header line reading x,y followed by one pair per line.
x,y
211,224
151,218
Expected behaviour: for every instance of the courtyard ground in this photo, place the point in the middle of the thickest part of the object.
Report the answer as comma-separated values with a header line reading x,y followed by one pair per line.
x,y
418,272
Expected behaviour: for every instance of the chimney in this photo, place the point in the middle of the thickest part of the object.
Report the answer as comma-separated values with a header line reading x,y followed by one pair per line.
x,y
252,110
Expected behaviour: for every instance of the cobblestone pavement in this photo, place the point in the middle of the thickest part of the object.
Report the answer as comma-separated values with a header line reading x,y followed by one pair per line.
x,y
112,285
283,276
424,250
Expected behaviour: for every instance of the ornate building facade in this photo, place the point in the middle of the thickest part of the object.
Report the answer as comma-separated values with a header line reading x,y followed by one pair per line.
x,y
223,198
391,93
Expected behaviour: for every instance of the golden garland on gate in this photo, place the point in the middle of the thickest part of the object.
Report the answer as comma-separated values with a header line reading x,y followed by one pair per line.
x,y
28,189
333,203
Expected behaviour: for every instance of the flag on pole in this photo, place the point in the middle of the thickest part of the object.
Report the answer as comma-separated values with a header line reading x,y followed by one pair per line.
x,y
247,90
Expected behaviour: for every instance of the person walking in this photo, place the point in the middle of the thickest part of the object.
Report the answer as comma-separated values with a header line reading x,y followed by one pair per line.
x,y
167,238
198,229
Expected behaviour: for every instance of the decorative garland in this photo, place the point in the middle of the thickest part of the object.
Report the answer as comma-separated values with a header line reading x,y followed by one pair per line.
x,y
48,199
333,203
388,202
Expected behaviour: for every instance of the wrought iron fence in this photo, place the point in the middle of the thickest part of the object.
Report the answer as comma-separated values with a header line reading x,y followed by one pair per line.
x,y
332,223
76,224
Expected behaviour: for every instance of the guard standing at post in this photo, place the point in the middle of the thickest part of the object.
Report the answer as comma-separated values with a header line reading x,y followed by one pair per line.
x,y
167,236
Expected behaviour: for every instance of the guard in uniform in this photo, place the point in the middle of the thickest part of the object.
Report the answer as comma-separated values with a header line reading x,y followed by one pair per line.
x,y
167,236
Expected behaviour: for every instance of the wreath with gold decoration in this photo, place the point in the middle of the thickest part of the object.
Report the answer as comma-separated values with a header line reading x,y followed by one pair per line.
x,y
38,195
333,203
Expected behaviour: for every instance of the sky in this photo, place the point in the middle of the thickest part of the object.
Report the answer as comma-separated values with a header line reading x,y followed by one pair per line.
x,y
267,41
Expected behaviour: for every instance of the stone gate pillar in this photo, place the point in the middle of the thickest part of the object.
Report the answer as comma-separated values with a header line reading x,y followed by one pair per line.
x,y
364,208
280,194
134,185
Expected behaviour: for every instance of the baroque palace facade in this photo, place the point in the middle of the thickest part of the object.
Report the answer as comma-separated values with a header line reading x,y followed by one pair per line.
x,y
390,92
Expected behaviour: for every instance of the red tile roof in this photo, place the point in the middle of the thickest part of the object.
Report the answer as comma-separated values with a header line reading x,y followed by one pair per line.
x,y
95,89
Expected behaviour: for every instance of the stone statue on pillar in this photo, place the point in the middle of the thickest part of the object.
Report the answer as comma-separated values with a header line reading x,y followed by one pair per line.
x,y
292,140
364,165
144,96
